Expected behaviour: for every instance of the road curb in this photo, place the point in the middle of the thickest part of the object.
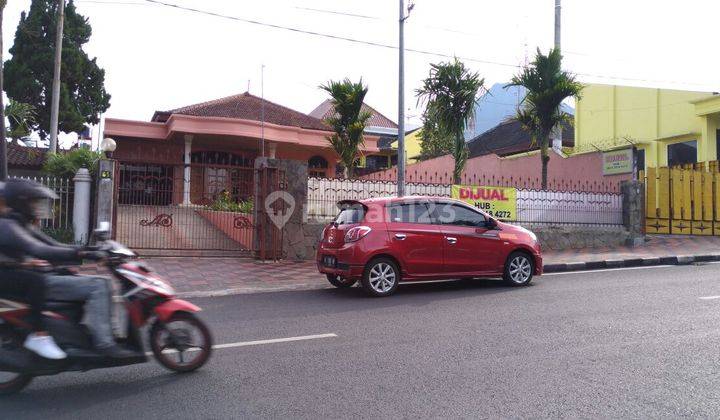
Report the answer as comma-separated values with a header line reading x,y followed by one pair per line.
x,y
630,262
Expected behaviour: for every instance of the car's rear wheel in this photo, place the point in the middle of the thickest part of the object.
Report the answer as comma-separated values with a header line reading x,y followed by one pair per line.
x,y
519,269
381,277
339,281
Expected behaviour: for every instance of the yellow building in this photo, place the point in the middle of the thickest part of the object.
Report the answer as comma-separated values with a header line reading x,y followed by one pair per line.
x,y
669,127
412,145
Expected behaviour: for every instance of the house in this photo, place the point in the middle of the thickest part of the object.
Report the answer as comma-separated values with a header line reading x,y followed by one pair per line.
x,y
509,138
668,127
24,161
191,154
377,125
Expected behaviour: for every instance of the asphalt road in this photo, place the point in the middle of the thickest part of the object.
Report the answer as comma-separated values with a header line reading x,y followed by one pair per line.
x,y
628,343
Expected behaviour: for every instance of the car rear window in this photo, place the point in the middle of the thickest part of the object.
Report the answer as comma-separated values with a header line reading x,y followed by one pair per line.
x,y
350,214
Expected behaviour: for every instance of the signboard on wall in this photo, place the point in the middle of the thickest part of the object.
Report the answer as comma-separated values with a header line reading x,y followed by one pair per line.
x,y
618,162
499,202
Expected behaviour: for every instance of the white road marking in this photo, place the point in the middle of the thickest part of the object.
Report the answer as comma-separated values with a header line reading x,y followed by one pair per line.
x,y
261,342
709,297
273,341
608,269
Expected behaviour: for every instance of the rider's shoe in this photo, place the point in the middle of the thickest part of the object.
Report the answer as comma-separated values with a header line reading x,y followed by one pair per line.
x,y
117,352
44,346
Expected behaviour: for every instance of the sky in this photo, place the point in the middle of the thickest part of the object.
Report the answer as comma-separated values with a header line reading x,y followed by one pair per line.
x,y
158,57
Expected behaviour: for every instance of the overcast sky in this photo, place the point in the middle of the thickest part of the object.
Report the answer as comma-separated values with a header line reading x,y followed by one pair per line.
x,y
157,58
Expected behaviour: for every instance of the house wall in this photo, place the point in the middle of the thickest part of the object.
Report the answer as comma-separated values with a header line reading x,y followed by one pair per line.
x,y
607,115
576,173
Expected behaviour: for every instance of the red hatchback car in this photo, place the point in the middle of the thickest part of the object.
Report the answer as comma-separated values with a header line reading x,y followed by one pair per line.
x,y
383,241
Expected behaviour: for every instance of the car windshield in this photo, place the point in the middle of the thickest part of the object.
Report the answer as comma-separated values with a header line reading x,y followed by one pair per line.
x,y
350,214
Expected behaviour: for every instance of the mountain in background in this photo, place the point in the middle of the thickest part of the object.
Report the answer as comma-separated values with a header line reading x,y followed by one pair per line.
x,y
497,106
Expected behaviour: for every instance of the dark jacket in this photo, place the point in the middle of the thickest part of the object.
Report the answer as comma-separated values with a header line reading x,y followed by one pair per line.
x,y
19,241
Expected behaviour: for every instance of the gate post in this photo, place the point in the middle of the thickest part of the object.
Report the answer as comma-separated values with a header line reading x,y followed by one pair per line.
x,y
81,205
106,193
279,210
633,206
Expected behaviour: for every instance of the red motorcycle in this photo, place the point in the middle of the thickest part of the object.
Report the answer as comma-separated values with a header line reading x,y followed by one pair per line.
x,y
179,340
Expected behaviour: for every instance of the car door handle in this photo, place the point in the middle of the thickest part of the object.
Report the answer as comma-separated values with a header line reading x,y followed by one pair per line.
x,y
400,236
451,239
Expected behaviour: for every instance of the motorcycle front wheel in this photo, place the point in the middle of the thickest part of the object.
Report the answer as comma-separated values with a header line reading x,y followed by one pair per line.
x,y
182,343
11,382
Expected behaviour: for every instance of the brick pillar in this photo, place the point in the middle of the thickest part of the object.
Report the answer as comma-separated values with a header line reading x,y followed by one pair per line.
x,y
292,224
633,193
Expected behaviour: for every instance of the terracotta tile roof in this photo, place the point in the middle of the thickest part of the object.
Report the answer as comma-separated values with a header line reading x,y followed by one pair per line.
x,y
247,107
377,119
26,157
509,138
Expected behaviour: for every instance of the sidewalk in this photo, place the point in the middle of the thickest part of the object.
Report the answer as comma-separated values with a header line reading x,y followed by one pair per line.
x,y
197,276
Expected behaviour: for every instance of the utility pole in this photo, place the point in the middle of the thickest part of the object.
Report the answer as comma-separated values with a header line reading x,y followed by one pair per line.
x,y
262,110
401,104
557,130
3,142
55,105
557,24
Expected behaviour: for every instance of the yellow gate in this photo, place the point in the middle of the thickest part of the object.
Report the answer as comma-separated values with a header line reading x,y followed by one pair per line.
x,y
683,200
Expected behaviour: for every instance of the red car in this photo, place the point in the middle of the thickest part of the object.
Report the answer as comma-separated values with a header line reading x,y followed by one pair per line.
x,y
383,241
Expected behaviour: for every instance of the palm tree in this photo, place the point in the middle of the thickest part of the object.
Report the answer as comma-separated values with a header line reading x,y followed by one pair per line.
x,y
450,93
348,121
21,117
547,87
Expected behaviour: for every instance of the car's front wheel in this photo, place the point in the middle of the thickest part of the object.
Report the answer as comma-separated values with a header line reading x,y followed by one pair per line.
x,y
340,282
381,277
519,269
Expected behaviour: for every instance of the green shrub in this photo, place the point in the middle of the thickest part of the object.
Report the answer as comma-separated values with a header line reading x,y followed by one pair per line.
x,y
225,202
66,164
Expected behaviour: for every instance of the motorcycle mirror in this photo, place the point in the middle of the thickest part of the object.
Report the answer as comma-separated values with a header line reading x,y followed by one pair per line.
x,y
102,233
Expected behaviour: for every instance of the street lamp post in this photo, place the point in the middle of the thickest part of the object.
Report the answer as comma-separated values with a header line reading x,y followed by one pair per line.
x,y
401,104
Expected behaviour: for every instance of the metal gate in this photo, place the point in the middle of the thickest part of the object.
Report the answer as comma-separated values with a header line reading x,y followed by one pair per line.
x,y
683,200
211,212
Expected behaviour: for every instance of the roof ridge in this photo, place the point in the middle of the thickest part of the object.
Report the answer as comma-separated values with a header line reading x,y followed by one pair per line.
x,y
376,112
210,102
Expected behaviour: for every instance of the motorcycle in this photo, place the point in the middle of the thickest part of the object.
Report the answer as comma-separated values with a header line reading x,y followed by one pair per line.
x,y
178,339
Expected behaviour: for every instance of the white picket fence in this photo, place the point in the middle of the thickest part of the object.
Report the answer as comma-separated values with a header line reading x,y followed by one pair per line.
x,y
533,207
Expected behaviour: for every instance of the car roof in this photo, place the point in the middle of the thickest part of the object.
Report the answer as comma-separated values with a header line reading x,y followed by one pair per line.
x,y
392,199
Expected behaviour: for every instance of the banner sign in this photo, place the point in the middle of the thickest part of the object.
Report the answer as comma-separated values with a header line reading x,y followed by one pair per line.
x,y
498,202
617,162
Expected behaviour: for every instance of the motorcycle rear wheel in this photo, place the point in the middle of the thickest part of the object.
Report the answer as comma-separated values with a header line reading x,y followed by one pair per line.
x,y
171,340
12,382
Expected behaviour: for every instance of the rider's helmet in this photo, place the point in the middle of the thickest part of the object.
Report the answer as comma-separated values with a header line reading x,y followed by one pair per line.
x,y
29,199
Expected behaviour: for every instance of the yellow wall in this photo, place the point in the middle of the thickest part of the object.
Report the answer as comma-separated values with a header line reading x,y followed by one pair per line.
x,y
412,145
651,118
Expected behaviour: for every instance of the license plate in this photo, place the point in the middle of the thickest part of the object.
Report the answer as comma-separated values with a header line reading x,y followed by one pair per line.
x,y
329,261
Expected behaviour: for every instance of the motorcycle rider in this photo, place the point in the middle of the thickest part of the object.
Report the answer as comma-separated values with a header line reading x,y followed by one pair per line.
x,y
20,239
16,280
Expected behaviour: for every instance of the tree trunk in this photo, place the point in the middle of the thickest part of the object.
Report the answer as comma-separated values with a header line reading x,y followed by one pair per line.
x,y
460,158
3,143
545,159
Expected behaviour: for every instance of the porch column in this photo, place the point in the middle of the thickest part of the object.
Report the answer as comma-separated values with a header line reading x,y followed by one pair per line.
x,y
271,149
186,175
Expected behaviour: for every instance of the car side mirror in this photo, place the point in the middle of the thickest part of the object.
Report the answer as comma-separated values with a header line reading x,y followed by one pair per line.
x,y
491,223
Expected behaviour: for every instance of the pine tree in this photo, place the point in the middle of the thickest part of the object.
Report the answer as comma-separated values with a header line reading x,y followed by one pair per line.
x,y
29,73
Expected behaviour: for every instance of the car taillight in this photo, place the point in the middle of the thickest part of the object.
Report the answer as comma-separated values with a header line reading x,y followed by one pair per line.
x,y
356,233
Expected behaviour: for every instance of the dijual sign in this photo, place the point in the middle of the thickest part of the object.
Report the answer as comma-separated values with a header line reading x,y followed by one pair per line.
x,y
618,162
499,202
